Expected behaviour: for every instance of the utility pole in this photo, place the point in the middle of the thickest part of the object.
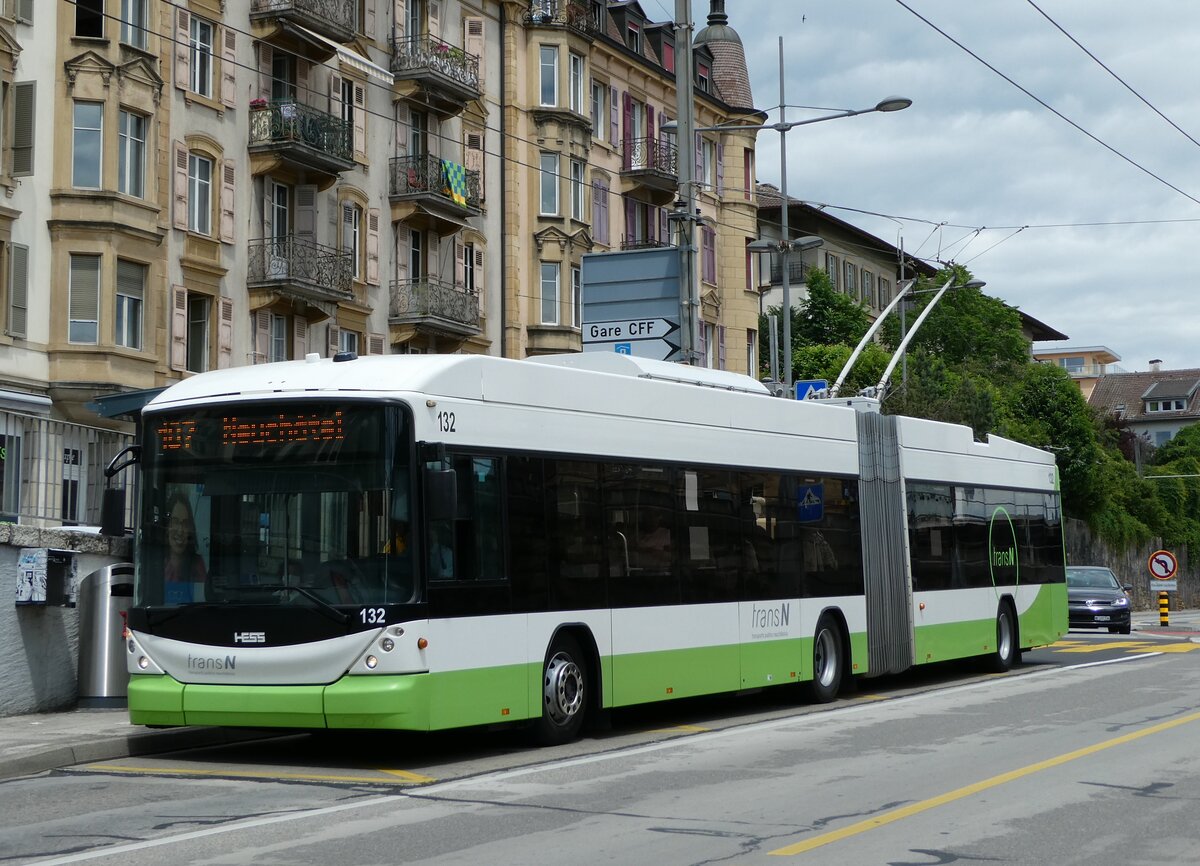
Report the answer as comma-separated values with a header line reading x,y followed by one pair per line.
x,y
685,204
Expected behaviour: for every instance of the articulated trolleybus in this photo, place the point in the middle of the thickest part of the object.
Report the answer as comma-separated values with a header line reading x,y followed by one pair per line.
x,y
429,542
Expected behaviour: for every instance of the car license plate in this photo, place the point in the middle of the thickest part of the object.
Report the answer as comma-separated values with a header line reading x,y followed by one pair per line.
x,y
1103,618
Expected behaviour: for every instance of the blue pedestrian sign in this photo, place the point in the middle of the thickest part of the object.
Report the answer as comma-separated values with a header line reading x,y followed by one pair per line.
x,y
810,503
805,389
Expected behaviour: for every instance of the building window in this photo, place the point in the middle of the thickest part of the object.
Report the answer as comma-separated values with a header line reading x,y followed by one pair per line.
x,y
668,57
88,136
278,350
868,287
348,341
576,297
416,255
833,269
83,322
1071,365
599,115
281,217
708,269
600,211
550,271
133,23
131,291
131,154
885,292
752,353
708,163
352,236
197,332
548,91
549,184
201,56
702,77
851,273
633,38
576,82
199,194
89,18
469,267
577,189
1165,405
283,77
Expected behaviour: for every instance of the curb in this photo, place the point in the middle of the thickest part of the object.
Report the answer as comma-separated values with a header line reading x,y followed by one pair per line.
x,y
127,746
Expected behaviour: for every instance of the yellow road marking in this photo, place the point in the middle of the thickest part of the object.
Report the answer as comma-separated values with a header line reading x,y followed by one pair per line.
x,y
968,790
687,729
1112,644
412,777
250,774
1178,647
873,698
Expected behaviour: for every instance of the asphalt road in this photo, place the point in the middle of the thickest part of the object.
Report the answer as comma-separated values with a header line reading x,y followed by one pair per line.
x,y
1084,755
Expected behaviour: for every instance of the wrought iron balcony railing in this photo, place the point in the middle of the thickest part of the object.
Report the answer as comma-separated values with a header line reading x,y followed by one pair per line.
x,y
323,270
644,243
433,299
650,154
426,175
320,14
418,53
563,13
285,123
797,272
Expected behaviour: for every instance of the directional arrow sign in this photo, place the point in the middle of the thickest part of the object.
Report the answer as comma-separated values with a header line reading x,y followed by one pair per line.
x,y
627,330
659,350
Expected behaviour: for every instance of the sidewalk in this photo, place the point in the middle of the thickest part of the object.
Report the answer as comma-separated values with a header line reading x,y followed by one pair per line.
x,y
36,743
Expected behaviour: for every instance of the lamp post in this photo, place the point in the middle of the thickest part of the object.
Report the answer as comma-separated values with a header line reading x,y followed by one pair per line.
x,y
785,248
891,103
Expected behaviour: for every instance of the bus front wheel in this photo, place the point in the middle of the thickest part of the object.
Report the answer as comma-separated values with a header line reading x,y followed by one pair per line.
x,y
828,661
564,693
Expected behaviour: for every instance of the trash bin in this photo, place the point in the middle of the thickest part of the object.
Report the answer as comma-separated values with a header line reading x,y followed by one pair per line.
x,y
104,596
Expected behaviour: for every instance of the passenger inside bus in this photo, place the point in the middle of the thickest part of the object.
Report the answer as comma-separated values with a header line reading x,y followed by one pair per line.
x,y
184,574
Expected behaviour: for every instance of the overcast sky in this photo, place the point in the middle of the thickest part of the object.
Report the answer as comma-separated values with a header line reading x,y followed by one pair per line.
x,y
1109,255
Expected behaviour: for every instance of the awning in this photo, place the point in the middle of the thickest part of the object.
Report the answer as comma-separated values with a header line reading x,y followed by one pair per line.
x,y
422,217
126,404
21,401
353,59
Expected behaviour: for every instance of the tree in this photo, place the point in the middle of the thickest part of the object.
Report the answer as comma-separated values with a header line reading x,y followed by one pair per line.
x,y
825,318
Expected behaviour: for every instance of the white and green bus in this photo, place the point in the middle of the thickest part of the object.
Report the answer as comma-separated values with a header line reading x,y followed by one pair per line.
x,y
429,542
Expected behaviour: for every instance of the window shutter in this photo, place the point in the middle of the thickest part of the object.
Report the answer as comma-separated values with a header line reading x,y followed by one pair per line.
x,y
262,336
183,49
460,266
702,349
627,120
303,94
720,169
630,220
333,339
18,290
264,70
402,251
360,118
178,328
650,128
474,43
433,266
614,129
373,246
747,173
369,24
225,333
699,175
720,347
299,337
473,157
376,344
335,95
228,67
228,191
180,186
402,129
348,228
306,212
84,301
435,18
399,19
24,113
480,281
664,227
131,279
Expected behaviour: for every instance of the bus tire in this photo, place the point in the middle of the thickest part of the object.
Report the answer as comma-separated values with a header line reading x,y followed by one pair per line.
x,y
829,661
1006,653
564,692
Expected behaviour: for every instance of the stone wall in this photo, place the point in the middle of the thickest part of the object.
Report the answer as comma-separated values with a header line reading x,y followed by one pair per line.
x,y
39,644
1083,548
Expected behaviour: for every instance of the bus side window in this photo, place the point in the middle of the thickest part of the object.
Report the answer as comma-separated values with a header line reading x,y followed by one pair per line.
x,y
468,547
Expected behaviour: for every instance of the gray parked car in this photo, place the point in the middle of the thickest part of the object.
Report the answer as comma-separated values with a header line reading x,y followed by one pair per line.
x,y
1096,599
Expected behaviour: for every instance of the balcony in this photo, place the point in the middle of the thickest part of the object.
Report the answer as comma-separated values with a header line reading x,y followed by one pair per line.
x,y
649,170
797,273
420,194
431,306
290,24
435,74
644,243
557,14
299,269
302,138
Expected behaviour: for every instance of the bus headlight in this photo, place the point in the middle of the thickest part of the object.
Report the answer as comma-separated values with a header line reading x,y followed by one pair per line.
x,y
387,644
143,662
372,662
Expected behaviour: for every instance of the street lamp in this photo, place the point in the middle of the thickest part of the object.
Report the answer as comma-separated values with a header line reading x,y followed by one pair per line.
x,y
785,248
891,103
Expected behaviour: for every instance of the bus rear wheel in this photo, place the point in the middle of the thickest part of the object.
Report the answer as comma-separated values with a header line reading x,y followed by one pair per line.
x,y
564,693
1005,655
828,661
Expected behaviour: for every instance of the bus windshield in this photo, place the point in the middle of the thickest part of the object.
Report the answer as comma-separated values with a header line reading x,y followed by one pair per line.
x,y
286,503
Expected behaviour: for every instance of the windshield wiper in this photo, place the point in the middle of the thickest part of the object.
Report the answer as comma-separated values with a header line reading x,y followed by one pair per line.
x,y
321,603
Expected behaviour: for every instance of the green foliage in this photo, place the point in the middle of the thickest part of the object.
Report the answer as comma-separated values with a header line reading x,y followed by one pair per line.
x,y
828,317
934,390
826,362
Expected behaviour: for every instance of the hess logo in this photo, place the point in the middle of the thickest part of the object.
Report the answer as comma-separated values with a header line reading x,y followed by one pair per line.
x,y
249,637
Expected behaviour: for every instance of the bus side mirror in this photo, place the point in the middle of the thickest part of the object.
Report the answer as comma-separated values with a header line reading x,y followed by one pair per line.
x,y
441,494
